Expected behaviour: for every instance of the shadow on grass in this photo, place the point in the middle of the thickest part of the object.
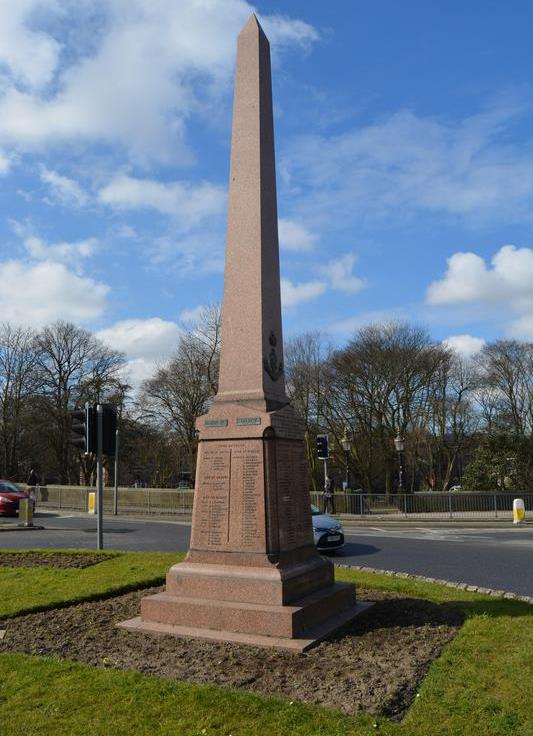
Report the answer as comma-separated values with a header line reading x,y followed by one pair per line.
x,y
409,612
399,613
493,608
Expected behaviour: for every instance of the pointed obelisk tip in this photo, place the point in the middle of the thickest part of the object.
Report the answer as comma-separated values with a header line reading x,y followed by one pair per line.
x,y
253,25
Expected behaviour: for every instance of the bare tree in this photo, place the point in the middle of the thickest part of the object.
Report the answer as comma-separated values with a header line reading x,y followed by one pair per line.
x,y
306,360
452,420
506,374
205,335
73,367
381,384
17,382
181,390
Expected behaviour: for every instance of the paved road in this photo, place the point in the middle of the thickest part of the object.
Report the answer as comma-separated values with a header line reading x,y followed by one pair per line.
x,y
494,558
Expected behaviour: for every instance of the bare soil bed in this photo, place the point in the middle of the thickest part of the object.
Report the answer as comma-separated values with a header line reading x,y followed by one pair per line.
x,y
375,666
50,559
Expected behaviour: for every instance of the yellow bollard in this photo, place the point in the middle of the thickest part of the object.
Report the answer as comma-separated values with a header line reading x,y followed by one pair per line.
x,y
519,511
25,512
92,503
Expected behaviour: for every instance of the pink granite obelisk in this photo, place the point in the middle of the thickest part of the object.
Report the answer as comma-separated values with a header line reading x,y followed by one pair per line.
x,y
252,574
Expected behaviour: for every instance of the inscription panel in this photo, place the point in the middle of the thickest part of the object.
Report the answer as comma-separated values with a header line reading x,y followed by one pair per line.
x,y
211,512
294,513
229,512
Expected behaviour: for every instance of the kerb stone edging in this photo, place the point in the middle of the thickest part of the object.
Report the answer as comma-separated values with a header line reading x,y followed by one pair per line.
x,y
450,584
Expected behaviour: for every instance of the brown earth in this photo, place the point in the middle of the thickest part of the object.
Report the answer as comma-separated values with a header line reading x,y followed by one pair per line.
x,y
50,559
375,666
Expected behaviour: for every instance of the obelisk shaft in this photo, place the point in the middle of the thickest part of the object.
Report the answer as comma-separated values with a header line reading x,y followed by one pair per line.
x,y
251,363
253,574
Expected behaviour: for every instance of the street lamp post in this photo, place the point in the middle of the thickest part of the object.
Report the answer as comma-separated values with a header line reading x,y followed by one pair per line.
x,y
345,442
399,444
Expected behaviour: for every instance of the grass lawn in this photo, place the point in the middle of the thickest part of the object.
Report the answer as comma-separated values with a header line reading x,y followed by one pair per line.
x,y
25,589
480,686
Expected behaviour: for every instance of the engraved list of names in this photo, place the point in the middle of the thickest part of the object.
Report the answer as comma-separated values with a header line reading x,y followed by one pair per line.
x,y
230,497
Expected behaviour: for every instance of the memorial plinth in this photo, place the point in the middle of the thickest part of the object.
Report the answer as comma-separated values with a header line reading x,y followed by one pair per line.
x,y
252,574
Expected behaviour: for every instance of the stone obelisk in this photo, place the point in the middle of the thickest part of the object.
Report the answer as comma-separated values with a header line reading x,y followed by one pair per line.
x,y
252,574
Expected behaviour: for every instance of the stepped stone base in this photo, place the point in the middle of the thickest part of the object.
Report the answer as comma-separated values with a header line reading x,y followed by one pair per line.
x,y
293,606
296,627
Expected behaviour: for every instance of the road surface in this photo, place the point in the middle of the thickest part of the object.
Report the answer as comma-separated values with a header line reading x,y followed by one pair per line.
x,y
499,558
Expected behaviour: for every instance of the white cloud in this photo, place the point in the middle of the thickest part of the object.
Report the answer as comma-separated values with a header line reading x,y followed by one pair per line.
x,y
193,314
283,31
199,252
64,190
35,294
146,343
522,328
469,280
152,339
40,250
30,55
349,325
292,294
189,203
131,73
340,274
507,284
410,164
138,370
294,236
465,345
5,163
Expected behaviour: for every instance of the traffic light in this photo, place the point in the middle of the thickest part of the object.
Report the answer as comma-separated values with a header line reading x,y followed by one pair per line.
x,y
109,429
322,446
83,424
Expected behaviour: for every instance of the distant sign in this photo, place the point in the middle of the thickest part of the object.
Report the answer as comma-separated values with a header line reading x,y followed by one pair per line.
x,y
216,422
247,421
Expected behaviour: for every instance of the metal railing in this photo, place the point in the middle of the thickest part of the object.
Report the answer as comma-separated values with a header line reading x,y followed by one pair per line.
x,y
157,501
426,505
178,502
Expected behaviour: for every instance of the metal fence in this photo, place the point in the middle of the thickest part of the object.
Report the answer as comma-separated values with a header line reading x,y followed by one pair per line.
x,y
426,505
178,502
160,501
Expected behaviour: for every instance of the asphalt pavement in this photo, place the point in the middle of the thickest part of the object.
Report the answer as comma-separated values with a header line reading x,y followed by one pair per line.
x,y
500,558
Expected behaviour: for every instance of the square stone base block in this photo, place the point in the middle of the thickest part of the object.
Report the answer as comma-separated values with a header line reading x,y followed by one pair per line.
x,y
312,637
267,585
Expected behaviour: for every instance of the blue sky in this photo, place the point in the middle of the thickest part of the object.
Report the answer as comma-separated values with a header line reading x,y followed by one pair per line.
x,y
404,159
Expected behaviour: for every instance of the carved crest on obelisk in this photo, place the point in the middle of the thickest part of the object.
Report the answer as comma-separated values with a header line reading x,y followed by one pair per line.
x,y
272,365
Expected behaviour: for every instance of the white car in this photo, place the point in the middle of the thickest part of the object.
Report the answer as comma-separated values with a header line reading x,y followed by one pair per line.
x,y
327,531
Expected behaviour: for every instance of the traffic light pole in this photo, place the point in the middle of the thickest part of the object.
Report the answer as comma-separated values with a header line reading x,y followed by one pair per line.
x,y
322,449
99,479
115,494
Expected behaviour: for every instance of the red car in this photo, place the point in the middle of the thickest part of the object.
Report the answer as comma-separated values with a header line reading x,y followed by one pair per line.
x,y
10,497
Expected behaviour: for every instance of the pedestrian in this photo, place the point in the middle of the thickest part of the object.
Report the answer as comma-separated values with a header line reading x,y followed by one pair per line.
x,y
32,482
329,494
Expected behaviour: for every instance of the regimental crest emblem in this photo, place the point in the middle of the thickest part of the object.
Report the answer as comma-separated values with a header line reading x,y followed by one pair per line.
x,y
271,364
